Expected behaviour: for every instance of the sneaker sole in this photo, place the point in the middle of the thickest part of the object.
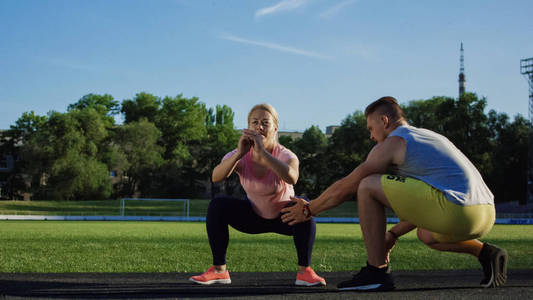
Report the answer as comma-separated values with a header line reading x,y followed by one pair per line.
x,y
221,281
368,288
305,283
499,270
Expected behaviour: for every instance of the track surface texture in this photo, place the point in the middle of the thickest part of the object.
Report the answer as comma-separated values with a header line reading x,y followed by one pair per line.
x,y
273,285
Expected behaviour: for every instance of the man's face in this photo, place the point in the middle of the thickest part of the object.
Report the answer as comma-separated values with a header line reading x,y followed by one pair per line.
x,y
376,124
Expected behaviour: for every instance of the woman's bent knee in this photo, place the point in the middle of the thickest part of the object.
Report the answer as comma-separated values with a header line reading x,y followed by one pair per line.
x,y
218,204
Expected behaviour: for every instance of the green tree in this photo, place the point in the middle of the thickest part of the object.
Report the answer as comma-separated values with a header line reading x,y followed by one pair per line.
x,y
311,151
105,105
13,142
220,139
189,133
287,141
431,114
63,157
348,146
144,105
76,177
324,161
12,145
182,124
137,141
496,147
468,128
25,127
462,121
508,177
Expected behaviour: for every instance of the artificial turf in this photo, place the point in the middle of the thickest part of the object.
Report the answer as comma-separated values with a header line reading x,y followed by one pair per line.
x,y
113,246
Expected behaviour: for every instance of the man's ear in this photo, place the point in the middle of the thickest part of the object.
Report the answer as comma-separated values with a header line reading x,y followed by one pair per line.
x,y
385,120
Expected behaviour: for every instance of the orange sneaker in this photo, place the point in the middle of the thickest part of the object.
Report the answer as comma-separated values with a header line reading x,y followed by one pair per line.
x,y
210,277
309,278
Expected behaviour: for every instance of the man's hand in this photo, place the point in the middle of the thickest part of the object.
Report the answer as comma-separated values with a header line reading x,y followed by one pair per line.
x,y
295,214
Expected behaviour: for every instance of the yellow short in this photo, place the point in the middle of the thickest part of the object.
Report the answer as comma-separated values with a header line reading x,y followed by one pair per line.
x,y
422,205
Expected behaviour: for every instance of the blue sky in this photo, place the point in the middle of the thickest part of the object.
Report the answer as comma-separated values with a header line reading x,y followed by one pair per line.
x,y
316,61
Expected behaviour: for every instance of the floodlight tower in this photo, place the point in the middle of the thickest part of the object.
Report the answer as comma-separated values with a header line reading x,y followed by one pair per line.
x,y
526,68
462,73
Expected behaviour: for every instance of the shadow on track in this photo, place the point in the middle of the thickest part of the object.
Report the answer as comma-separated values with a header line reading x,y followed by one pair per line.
x,y
409,285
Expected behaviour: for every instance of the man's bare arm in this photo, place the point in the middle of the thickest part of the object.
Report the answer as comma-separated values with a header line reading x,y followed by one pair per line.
x,y
379,159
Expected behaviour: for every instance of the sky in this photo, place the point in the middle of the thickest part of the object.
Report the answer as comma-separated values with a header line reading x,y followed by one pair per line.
x,y
315,61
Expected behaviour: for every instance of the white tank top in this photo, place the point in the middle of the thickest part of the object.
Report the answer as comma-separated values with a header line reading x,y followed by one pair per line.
x,y
433,159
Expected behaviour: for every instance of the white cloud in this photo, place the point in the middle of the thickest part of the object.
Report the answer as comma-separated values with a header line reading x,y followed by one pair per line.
x,y
274,46
332,11
284,5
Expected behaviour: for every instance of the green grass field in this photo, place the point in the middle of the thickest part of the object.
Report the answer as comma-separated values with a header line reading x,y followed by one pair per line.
x,y
81,246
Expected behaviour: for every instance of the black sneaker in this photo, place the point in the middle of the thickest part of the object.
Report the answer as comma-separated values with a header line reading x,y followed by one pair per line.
x,y
494,263
369,279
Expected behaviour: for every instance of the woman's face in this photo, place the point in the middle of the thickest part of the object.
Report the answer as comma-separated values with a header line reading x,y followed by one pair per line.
x,y
261,121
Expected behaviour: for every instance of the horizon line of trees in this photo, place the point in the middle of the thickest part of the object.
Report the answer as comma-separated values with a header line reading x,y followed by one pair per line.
x,y
167,148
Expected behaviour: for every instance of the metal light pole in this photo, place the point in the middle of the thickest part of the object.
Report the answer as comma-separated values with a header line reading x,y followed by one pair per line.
x,y
526,69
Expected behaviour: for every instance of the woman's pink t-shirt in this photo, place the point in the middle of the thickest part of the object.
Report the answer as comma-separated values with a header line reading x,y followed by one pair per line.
x,y
268,194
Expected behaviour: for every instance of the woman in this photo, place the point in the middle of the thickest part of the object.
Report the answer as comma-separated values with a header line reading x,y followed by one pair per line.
x,y
267,172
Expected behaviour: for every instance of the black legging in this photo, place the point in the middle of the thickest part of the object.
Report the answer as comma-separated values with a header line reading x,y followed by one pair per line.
x,y
238,213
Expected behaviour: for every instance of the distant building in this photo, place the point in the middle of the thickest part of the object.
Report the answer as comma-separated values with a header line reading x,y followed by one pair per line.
x,y
7,163
331,129
298,135
293,134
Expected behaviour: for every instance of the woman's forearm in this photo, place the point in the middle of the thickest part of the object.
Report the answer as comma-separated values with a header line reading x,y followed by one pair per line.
x,y
224,169
285,171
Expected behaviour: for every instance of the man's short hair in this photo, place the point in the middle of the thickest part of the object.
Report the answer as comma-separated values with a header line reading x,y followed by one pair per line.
x,y
387,106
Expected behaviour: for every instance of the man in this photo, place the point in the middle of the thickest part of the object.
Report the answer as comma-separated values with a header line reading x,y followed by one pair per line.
x,y
428,183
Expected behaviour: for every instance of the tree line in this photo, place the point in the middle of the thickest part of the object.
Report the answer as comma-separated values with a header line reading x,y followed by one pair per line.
x,y
167,148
